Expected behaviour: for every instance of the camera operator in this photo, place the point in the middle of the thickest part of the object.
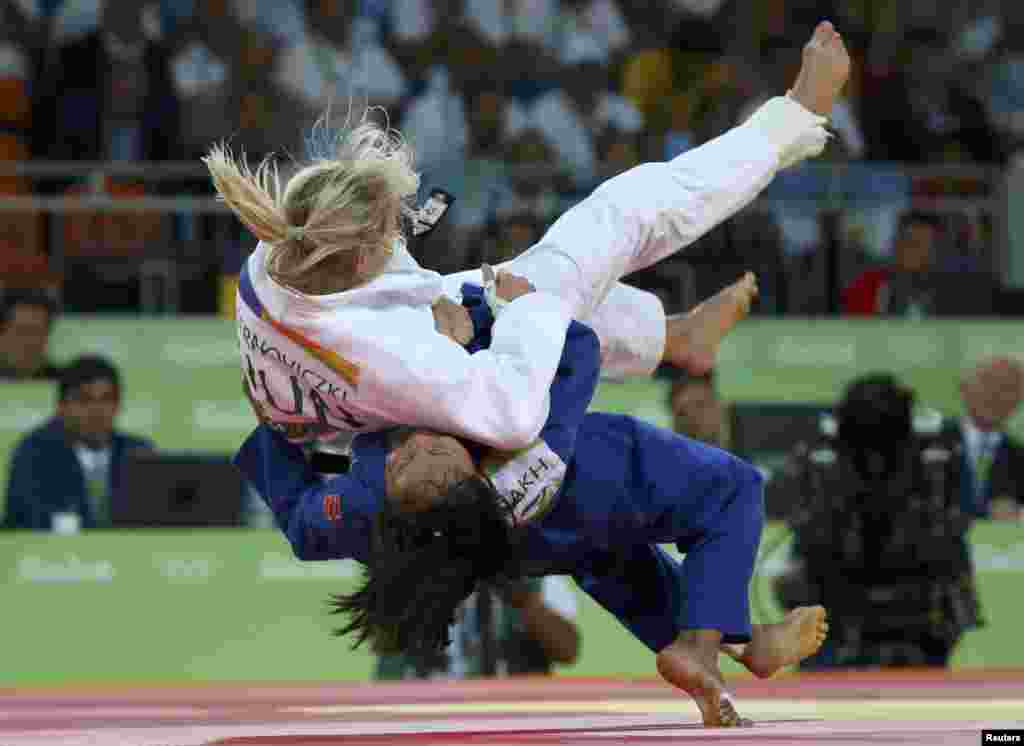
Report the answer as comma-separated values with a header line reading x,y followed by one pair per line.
x,y
879,537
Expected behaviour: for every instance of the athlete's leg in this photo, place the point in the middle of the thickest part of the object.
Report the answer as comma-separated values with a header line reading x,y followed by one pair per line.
x,y
648,485
657,209
640,217
775,645
636,335
641,586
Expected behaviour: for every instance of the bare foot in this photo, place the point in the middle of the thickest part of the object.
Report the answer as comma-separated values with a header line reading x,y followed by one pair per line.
x,y
775,646
824,70
692,339
691,664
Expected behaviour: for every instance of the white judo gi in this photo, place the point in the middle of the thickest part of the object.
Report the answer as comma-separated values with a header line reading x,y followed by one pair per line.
x,y
326,367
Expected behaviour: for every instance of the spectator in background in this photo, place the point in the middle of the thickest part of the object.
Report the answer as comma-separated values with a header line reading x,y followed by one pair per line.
x,y
501,22
204,69
411,21
26,319
533,627
513,232
481,181
271,116
108,95
424,33
1002,79
679,136
227,76
534,176
719,87
435,123
341,56
71,18
697,412
597,25
907,286
470,57
617,152
993,461
646,81
23,260
73,462
919,113
878,535
285,20
17,69
20,23
572,118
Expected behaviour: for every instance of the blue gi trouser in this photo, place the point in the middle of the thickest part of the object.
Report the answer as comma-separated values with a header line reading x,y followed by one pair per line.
x,y
633,486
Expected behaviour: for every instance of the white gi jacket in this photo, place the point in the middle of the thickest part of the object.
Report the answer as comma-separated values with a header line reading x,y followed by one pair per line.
x,y
326,367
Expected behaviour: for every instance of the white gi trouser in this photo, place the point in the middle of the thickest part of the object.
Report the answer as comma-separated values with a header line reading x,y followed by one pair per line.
x,y
648,213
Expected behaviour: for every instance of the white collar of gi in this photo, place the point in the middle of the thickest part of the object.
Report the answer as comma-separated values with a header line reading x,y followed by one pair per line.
x,y
403,282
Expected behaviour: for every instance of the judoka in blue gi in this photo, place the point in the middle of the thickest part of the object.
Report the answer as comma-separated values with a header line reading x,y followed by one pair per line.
x,y
432,516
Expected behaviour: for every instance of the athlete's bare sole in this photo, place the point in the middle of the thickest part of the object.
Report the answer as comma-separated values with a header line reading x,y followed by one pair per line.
x,y
692,339
774,646
690,663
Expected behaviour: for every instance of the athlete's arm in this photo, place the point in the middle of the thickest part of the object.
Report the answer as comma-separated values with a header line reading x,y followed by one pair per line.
x,y
573,389
323,519
530,478
498,397
575,381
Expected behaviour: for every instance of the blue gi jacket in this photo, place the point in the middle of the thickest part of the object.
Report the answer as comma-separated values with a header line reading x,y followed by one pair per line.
x,y
332,519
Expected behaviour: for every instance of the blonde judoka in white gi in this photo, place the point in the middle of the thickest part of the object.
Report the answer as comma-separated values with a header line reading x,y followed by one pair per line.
x,y
338,334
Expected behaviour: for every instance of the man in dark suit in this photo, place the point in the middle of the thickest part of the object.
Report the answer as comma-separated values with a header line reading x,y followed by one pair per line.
x,y
993,462
73,462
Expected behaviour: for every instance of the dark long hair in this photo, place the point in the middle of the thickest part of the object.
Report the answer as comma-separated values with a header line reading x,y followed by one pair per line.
x,y
423,565
876,423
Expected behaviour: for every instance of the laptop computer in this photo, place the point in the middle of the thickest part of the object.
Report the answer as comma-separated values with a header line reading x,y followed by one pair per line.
x,y
178,489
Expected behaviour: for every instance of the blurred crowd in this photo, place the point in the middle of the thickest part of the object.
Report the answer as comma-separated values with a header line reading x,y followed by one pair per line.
x,y
518,108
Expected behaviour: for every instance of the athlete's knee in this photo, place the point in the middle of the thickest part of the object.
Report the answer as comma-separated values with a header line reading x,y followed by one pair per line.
x,y
750,491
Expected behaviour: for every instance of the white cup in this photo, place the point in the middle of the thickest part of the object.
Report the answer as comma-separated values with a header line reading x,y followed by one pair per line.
x,y
66,524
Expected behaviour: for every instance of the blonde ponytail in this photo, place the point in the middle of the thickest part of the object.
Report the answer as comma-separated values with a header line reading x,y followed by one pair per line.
x,y
255,197
346,203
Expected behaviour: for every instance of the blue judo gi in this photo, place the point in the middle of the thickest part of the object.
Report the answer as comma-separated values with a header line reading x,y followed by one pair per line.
x,y
628,487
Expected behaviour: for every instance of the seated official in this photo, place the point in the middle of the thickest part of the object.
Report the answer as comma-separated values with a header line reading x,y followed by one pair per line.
x,y
531,626
992,460
26,318
73,462
697,410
